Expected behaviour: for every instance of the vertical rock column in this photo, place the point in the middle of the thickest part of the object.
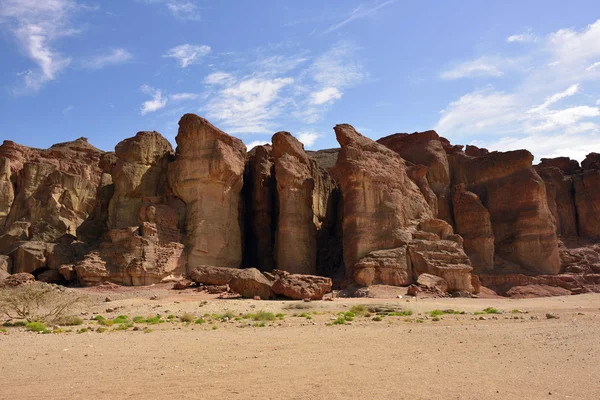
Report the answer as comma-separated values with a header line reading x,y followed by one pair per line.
x,y
7,193
207,175
296,235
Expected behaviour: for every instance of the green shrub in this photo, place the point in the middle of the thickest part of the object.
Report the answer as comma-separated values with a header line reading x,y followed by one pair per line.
x,y
215,327
36,327
200,321
187,318
259,325
400,313
98,318
69,320
340,321
419,321
435,319
101,329
121,319
83,330
154,320
348,316
221,317
139,319
106,322
123,327
280,316
377,318
147,330
170,317
358,309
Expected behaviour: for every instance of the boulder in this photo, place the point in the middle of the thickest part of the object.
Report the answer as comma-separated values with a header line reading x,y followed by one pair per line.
x,y
207,175
210,275
18,279
389,267
51,276
28,256
251,283
299,287
432,282
380,203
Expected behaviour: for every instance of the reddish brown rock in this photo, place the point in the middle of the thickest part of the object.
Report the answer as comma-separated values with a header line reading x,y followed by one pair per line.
x,y
591,162
18,279
390,266
50,276
564,164
587,202
559,192
182,284
210,275
250,283
432,282
418,174
426,148
7,193
380,203
28,256
260,194
300,287
207,175
5,264
473,223
515,197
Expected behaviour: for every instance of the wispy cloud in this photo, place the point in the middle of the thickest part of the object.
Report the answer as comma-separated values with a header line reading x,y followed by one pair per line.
x,y
548,110
112,57
485,66
525,37
593,66
255,143
327,95
176,97
308,139
362,11
181,9
187,54
155,103
37,26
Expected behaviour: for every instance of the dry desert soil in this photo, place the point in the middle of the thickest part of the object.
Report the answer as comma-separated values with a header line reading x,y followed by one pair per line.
x,y
512,355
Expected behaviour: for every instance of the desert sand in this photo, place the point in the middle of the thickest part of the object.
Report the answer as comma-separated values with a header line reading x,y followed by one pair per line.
x,y
492,356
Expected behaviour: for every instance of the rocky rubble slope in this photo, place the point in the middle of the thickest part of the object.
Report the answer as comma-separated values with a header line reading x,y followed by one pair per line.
x,y
367,213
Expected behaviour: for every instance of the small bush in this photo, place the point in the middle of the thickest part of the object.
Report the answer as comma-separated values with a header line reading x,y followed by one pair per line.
x,y
340,321
36,327
259,325
121,319
170,317
106,322
280,316
3,330
154,320
406,313
147,330
515,311
36,303
187,318
58,330
139,319
69,321
377,318
227,314
101,329
488,310
298,306
98,318
358,309
264,316
200,321
215,327
435,319
419,321
123,327
83,330
348,316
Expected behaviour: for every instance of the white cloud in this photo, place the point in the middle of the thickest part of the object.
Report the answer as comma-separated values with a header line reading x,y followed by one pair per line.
x,y
156,103
359,12
547,109
571,90
598,102
593,66
182,9
38,25
255,143
522,38
480,67
113,57
329,94
308,138
183,96
248,106
219,78
187,54
337,67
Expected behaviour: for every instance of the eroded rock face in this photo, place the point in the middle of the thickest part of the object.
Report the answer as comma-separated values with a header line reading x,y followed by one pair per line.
x,y
473,223
515,197
390,267
209,275
7,193
207,175
140,171
299,286
561,202
587,201
250,283
380,203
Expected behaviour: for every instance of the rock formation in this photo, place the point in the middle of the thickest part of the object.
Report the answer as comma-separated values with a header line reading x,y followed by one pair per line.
x,y
207,175
410,208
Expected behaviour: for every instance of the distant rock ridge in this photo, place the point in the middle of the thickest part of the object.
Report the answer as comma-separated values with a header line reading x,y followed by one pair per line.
x,y
369,212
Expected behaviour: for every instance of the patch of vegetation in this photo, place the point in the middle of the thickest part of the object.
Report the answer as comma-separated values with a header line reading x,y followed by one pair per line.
x,y
98,318
261,316
58,330
259,325
339,321
187,317
226,316
348,315
35,303
215,327
147,330
358,309
419,321
121,319
298,306
515,311
83,330
377,318
123,327
488,310
154,320
406,313
170,317
101,329
436,319
200,321
280,316
106,322
36,327
3,330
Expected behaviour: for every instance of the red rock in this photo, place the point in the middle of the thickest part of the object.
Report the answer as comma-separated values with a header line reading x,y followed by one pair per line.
x,y
211,275
18,279
250,283
301,287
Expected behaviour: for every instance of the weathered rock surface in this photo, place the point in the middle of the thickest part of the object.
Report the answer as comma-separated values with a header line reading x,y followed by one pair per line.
x,y
587,202
5,264
207,175
18,279
299,286
390,266
432,282
380,203
473,223
250,283
210,275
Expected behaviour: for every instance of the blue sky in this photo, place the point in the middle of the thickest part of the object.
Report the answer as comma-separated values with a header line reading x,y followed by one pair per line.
x,y
502,75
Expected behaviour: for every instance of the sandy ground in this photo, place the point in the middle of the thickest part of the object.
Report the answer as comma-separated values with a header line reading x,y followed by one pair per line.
x,y
506,356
